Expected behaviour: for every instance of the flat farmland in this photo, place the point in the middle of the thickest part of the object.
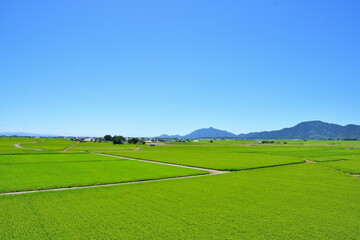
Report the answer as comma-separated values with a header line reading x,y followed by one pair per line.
x,y
56,144
217,157
303,201
281,195
348,163
234,157
303,151
48,157
45,171
103,146
7,145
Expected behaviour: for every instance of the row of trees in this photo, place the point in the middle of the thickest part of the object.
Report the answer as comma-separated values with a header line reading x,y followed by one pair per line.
x,y
121,140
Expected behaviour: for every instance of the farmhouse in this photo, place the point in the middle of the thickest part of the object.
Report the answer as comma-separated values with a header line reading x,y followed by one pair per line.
x,y
89,140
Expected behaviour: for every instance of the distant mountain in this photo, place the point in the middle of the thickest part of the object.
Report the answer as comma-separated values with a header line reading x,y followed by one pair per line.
x,y
169,136
350,131
311,130
210,133
304,130
22,134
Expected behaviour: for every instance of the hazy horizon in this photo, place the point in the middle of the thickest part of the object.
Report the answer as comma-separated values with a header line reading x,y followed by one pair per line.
x,y
150,68
157,135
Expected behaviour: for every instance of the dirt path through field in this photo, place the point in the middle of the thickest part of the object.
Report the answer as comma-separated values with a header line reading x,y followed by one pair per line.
x,y
19,146
211,171
101,185
65,149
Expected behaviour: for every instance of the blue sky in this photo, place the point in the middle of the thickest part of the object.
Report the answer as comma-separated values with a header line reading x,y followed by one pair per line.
x,y
143,68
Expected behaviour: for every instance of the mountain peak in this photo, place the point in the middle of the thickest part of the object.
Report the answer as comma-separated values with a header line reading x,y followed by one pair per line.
x,y
210,133
312,122
312,130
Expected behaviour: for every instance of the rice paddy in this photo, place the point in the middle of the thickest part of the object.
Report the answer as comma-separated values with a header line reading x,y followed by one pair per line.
x,y
274,192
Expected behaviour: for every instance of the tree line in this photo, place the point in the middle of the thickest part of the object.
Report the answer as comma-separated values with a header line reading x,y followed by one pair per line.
x,y
122,140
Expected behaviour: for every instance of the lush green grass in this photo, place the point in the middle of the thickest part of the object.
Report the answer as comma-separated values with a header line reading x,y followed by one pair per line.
x,y
51,144
29,172
7,145
215,157
220,149
304,201
108,146
309,151
55,145
335,158
51,158
47,144
351,166
239,157
345,163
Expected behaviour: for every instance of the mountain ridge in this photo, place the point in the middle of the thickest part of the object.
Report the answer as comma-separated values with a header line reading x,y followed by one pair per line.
x,y
304,130
24,134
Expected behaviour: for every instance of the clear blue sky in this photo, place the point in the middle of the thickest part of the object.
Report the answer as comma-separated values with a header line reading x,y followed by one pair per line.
x,y
143,68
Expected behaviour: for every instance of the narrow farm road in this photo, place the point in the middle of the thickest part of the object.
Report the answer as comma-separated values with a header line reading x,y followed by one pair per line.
x,y
100,185
211,171
19,146
65,149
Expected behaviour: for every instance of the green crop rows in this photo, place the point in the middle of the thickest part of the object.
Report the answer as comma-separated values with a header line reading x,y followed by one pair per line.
x,y
278,191
49,144
305,201
30,172
218,157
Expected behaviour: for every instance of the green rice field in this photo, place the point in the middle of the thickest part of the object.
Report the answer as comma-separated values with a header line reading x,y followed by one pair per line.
x,y
304,201
49,144
216,157
31,172
96,147
273,191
